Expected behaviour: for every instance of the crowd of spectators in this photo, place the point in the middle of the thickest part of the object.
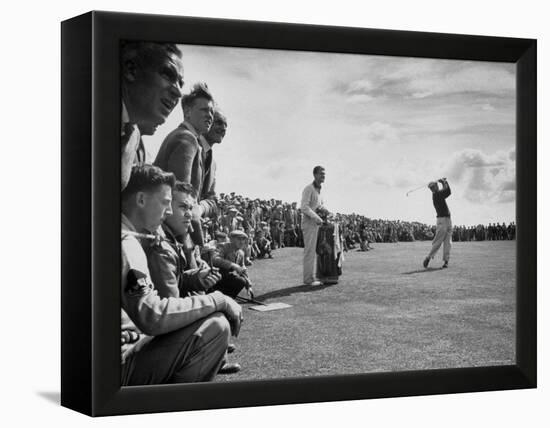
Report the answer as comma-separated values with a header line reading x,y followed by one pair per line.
x,y
277,224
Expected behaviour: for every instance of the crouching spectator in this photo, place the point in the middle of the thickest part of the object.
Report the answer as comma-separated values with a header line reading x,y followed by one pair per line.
x,y
262,244
165,340
176,268
230,259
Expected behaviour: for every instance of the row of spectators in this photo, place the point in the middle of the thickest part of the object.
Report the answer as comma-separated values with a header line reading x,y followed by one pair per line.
x,y
278,223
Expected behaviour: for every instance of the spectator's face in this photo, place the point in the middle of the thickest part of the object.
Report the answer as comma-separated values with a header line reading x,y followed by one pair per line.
x,y
217,131
239,242
320,176
182,205
200,115
155,206
153,91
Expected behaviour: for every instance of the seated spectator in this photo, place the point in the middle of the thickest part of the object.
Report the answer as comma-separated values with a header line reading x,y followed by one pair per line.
x,y
172,260
180,339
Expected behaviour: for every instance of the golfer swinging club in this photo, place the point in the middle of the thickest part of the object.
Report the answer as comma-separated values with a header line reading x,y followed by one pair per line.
x,y
444,227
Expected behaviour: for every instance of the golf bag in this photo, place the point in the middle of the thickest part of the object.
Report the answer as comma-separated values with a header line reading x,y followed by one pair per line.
x,y
329,253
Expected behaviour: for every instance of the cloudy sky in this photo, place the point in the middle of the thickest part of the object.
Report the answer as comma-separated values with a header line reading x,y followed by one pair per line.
x,y
379,125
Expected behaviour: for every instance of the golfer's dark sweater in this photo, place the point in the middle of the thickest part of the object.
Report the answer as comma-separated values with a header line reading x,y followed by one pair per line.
x,y
440,204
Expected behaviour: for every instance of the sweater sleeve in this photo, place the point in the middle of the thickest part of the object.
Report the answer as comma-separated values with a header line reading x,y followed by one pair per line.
x,y
446,191
152,314
163,267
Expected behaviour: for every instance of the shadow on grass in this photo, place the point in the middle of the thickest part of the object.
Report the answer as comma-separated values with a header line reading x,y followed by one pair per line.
x,y
292,290
428,270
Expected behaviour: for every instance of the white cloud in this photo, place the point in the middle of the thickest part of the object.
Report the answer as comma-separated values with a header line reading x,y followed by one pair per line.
x,y
484,177
359,98
487,107
362,85
421,94
379,132
424,78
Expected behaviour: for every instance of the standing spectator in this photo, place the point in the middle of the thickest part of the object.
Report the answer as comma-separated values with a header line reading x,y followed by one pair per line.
x,y
290,226
152,81
181,151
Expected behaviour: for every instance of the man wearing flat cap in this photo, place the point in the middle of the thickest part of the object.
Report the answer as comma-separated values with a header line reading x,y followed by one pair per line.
x,y
230,220
230,259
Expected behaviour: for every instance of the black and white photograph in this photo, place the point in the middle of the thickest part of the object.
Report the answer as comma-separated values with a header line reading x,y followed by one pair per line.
x,y
290,214
329,213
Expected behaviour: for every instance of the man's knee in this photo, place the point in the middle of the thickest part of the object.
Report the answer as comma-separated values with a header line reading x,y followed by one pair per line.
x,y
215,326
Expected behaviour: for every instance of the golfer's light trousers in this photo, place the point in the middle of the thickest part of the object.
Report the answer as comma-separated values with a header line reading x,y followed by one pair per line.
x,y
443,234
310,230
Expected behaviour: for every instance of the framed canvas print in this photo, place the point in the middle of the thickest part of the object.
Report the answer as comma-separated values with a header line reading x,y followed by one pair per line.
x,y
257,213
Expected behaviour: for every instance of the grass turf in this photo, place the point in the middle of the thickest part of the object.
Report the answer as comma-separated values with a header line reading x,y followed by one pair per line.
x,y
387,313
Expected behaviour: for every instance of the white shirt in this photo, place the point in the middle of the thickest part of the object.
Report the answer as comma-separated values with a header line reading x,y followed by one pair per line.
x,y
129,149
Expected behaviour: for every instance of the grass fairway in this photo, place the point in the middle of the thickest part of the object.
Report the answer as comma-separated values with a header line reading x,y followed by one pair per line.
x,y
387,313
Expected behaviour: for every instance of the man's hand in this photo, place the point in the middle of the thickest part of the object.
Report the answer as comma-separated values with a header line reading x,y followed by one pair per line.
x,y
234,314
239,269
128,336
209,277
201,264
196,213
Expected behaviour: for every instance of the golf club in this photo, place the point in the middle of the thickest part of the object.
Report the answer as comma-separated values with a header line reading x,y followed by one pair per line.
x,y
245,300
421,187
414,190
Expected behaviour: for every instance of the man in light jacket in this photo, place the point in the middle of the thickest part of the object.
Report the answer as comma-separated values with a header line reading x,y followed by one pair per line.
x,y
311,201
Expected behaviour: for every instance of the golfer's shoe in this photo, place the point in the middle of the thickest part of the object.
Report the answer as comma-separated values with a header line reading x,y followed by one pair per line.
x,y
425,262
231,348
445,265
314,283
229,368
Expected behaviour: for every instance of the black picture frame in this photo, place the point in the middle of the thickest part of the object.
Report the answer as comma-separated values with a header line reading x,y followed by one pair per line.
x,y
90,356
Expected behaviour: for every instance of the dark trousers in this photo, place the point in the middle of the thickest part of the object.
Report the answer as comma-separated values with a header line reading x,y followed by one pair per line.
x,y
231,284
290,238
190,354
